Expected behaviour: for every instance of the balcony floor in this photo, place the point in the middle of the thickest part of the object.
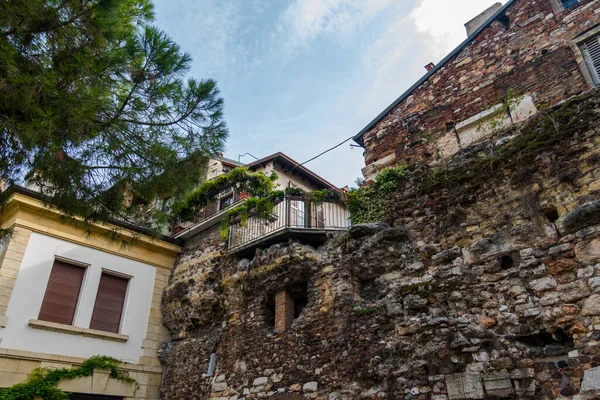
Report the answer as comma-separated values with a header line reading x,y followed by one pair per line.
x,y
311,236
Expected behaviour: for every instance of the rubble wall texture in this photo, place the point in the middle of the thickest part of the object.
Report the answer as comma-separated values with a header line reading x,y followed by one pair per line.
x,y
484,282
531,51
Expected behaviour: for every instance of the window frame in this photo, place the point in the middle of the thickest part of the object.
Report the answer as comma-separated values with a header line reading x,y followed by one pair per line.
x,y
592,69
226,198
124,308
558,6
80,295
580,57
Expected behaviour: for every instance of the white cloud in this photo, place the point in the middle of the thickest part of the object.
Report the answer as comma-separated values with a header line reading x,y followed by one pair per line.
x,y
397,58
306,20
207,29
441,22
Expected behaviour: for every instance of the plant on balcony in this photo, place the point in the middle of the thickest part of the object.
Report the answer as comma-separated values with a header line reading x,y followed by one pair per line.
x,y
43,382
322,196
259,206
256,183
294,191
316,196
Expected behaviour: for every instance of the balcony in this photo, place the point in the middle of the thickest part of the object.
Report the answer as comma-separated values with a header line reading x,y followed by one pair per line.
x,y
292,217
227,199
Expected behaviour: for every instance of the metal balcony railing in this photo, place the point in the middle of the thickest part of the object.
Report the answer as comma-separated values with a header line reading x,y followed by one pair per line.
x,y
226,199
291,214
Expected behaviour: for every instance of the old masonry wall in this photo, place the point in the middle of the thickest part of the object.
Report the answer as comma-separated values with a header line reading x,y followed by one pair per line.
x,y
484,282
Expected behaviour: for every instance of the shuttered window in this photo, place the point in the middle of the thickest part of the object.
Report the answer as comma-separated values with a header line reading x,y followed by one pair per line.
x,y
591,53
62,293
110,299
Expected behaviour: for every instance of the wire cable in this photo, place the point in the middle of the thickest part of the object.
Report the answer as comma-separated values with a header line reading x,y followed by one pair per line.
x,y
325,152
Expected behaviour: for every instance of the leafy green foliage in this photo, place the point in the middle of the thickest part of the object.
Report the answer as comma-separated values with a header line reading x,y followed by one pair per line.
x,y
259,206
256,183
95,108
42,382
316,196
369,203
294,191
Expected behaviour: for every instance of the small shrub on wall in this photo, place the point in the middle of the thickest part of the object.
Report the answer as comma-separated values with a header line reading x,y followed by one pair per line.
x,y
369,203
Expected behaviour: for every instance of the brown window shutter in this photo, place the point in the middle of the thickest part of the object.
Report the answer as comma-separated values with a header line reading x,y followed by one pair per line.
x,y
109,303
62,293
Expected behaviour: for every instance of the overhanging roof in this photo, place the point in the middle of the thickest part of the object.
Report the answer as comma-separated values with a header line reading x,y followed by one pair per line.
x,y
293,165
358,137
121,224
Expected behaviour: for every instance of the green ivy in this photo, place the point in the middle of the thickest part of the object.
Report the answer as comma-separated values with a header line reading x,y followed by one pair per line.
x,y
316,196
256,183
260,206
294,191
320,196
43,382
370,203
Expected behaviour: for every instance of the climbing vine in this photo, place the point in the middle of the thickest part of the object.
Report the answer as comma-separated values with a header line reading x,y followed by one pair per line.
x,y
260,206
316,196
257,184
43,382
369,203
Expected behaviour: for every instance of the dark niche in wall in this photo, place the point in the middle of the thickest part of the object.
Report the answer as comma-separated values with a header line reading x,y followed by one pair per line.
x,y
544,343
299,293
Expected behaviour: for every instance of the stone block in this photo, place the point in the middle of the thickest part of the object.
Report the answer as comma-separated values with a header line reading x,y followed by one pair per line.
x,y
8,379
539,285
100,380
591,380
260,381
464,386
498,384
585,215
220,386
595,284
76,385
591,305
310,387
524,387
588,253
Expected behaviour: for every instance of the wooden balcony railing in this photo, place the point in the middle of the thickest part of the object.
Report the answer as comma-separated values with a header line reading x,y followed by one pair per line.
x,y
291,214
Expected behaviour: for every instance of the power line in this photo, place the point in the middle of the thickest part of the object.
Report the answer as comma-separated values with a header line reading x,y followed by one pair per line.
x,y
326,151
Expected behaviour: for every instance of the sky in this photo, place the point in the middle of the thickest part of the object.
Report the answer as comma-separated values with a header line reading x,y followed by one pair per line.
x,y
301,76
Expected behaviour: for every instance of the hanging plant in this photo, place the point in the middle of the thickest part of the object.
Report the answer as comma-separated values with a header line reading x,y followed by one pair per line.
x,y
325,195
256,183
254,206
294,191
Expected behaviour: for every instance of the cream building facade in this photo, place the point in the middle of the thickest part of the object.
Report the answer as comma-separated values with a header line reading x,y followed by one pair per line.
x,y
42,239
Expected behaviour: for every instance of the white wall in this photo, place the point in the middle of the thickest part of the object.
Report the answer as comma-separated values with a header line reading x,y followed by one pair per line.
x,y
284,179
30,287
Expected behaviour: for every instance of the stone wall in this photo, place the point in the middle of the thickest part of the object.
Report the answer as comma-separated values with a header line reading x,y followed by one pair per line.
x,y
484,282
529,52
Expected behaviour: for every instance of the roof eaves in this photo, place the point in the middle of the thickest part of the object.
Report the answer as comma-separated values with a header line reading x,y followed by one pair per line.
x,y
121,224
358,137
295,164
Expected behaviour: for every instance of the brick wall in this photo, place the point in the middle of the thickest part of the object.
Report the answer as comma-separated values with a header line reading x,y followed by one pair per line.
x,y
284,310
531,52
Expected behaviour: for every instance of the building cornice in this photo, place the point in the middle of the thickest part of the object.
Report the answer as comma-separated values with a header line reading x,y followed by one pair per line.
x,y
32,214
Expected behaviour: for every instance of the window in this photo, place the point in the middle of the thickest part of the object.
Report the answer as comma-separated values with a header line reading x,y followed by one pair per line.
x,y
591,53
226,201
110,299
62,293
568,3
